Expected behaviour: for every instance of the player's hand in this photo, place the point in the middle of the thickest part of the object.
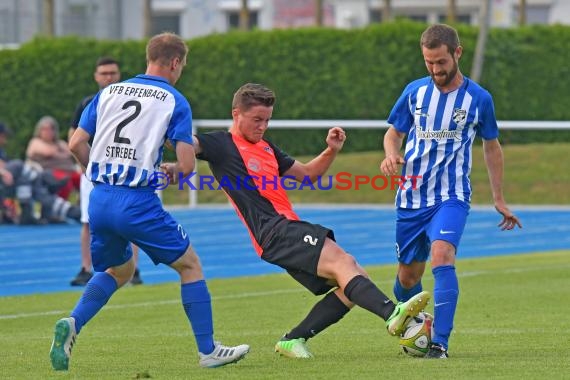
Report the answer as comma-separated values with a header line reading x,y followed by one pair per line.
x,y
390,164
335,138
171,170
509,219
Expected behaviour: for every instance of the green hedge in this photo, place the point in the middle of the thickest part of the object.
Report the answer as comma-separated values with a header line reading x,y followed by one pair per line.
x,y
317,73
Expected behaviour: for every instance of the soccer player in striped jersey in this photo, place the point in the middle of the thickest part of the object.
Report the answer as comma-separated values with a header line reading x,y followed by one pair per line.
x,y
249,168
130,122
439,116
106,72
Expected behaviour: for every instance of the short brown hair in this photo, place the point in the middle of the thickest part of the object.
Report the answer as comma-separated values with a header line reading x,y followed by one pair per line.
x,y
106,61
164,47
440,34
253,94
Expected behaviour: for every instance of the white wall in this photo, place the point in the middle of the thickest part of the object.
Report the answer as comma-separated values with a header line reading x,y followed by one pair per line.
x,y
560,12
21,20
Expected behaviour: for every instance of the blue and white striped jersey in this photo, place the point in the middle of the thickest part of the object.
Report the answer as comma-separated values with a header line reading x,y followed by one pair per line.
x,y
440,131
130,122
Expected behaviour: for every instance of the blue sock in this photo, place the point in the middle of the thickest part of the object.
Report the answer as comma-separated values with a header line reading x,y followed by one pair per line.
x,y
402,294
97,292
445,295
198,307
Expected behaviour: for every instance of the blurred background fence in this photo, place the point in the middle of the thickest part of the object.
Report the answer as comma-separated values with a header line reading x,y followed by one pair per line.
x,y
295,128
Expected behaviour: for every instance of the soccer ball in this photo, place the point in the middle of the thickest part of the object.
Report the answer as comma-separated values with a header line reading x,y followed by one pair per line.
x,y
416,337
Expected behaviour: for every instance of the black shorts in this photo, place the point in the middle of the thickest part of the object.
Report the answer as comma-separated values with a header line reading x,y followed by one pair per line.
x,y
296,247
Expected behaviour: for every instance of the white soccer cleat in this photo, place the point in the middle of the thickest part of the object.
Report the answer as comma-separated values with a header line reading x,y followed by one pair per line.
x,y
223,355
63,340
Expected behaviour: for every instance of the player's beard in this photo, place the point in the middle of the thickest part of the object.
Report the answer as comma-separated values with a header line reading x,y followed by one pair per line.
x,y
445,80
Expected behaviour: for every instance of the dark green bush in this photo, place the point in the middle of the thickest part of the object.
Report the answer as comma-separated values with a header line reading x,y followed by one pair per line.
x,y
317,73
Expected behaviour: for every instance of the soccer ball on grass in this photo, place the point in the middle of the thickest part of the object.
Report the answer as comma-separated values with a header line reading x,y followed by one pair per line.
x,y
416,337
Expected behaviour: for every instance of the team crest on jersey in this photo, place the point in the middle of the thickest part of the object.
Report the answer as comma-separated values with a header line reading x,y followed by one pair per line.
x,y
459,116
268,149
254,165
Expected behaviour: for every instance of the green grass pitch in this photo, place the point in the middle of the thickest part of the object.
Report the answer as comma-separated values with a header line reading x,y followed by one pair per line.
x,y
512,322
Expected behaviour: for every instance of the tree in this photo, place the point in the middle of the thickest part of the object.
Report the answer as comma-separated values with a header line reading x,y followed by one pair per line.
x,y
484,20
451,11
522,12
387,11
319,12
244,16
48,17
147,18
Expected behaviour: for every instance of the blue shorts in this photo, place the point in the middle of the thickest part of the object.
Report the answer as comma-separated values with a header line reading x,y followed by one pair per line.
x,y
119,215
416,229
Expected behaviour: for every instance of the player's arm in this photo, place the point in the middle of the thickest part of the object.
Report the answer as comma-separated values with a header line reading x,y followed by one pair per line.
x,y
196,145
76,118
494,161
393,140
319,165
186,157
79,146
185,162
70,133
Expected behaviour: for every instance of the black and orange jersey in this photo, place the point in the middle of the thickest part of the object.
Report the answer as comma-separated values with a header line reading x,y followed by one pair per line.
x,y
250,175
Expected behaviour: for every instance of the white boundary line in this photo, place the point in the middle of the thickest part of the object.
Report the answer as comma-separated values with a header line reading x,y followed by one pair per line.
x,y
154,303
270,293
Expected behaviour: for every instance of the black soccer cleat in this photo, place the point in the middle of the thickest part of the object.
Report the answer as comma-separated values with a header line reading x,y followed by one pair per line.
x,y
82,278
137,279
436,351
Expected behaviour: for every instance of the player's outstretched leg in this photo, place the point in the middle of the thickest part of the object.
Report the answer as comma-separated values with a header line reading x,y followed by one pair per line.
x,y
406,310
293,348
223,355
63,340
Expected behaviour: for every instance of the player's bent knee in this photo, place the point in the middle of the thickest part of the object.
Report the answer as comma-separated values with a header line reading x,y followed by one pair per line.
x,y
408,282
442,257
344,264
335,262
122,274
188,265
349,261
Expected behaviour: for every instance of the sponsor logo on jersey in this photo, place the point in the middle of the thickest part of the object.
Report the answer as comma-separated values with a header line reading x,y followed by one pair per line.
x,y
459,116
443,134
254,165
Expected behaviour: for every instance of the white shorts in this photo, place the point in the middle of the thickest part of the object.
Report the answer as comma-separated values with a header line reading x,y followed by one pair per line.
x,y
84,190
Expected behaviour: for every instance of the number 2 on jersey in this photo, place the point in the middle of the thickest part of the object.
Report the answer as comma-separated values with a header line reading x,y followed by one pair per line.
x,y
131,103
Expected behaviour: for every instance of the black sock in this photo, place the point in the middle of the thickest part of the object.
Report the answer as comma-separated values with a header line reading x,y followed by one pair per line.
x,y
326,312
361,291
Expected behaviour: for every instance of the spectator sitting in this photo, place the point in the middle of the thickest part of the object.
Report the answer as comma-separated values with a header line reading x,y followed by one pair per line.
x,y
32,184
52,154
27,183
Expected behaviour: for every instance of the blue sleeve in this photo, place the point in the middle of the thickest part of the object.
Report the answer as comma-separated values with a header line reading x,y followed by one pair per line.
x,y
487,127
400,116
88,120
180,128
